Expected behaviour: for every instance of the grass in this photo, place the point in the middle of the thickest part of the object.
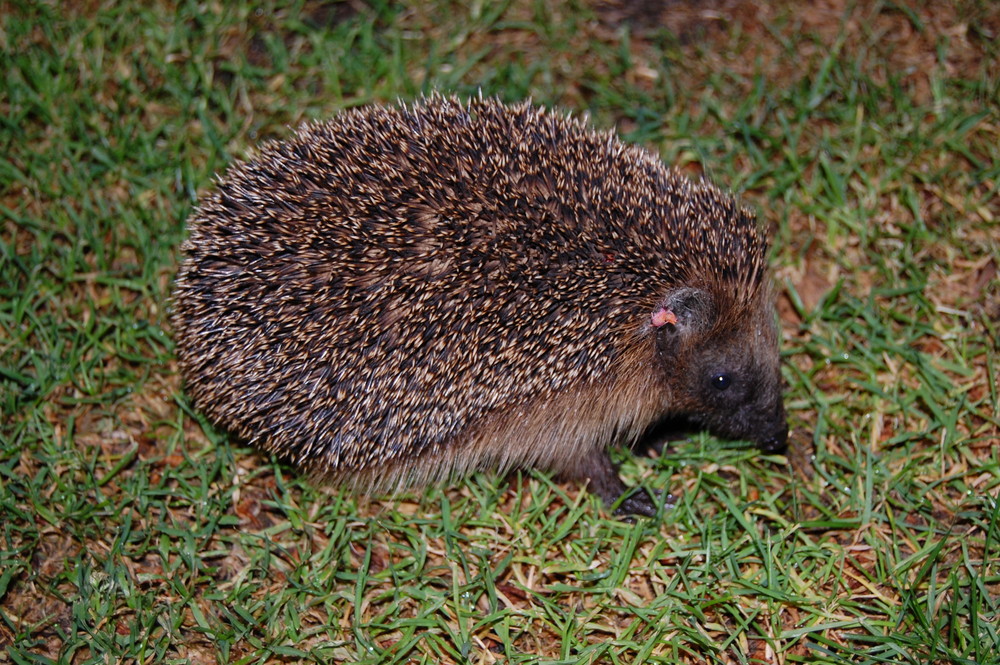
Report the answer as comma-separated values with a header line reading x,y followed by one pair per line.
x,y
866,134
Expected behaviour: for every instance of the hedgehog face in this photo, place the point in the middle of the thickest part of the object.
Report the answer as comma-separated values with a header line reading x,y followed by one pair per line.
x,y
725,377
738,392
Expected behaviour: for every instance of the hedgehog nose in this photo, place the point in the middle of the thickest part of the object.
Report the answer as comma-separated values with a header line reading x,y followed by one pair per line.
x,y
776,442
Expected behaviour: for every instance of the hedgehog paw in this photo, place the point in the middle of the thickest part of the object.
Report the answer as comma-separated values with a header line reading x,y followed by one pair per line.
x,y
643,502
604,481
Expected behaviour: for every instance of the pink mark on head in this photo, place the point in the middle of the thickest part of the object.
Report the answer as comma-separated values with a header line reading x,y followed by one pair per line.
x,y
662,317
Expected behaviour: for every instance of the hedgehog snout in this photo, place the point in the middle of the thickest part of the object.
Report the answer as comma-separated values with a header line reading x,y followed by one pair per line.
x,y
775,443
777,440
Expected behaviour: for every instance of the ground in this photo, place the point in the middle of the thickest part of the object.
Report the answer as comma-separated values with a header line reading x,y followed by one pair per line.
x,y
864,133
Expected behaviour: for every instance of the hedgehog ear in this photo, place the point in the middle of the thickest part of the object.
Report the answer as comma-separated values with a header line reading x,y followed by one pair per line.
x,y
682,313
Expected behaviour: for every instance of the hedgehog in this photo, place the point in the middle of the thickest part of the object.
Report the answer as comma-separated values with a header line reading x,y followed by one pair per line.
x,y
405,294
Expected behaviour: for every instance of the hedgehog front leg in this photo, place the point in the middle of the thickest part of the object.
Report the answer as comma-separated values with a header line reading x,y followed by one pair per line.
x,y
604,481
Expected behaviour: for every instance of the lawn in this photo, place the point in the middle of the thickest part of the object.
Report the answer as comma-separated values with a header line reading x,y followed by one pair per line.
x,y
867,136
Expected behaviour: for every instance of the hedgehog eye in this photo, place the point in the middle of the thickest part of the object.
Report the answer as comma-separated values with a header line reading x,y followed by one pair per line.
x,y
721,381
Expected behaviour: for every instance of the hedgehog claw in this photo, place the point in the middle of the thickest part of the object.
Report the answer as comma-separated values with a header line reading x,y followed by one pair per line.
x,y
644,503
638,502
